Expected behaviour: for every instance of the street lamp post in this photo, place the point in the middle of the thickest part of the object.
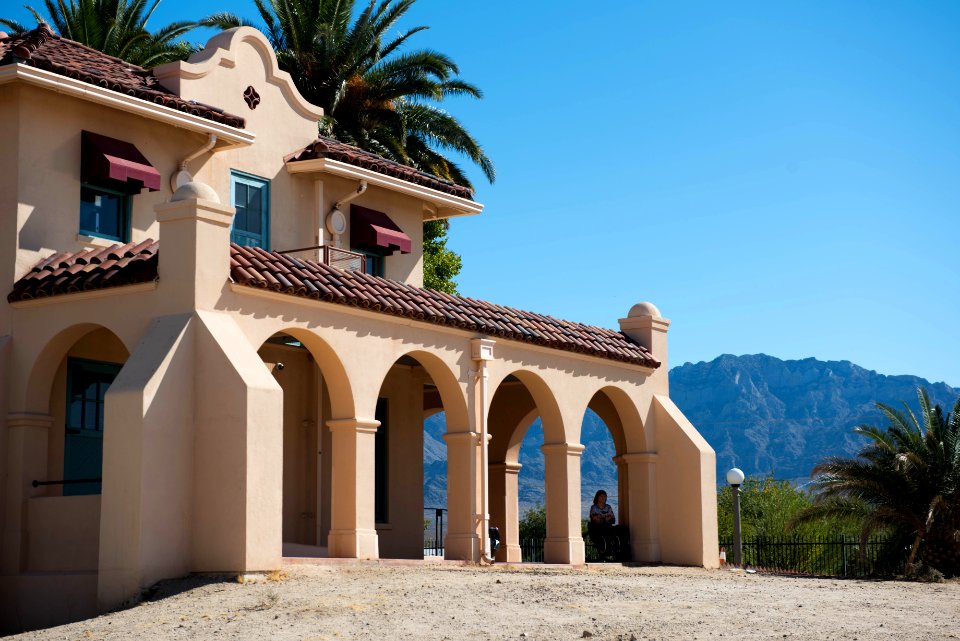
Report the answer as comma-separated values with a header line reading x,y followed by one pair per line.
x,y
735,478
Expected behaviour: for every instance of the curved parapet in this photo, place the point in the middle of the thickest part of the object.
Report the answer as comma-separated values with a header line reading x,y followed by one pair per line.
x,y
237,71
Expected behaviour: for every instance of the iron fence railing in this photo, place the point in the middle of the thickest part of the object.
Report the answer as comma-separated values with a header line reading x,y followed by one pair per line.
x,y
531,550
330,255
841,555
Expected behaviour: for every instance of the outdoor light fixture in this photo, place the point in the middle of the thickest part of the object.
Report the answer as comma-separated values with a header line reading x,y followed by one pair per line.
x,y
735,479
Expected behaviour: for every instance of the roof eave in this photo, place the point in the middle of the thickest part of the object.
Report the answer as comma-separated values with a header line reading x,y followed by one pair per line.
x,y
230,136
448,205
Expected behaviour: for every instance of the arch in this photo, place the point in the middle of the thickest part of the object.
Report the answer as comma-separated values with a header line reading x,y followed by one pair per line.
x,y
342,403
453,401
544,401
622,417
622,420
48,360
516,440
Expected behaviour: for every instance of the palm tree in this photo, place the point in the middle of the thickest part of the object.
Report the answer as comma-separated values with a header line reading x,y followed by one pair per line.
x,y
115,27
906,480
374,96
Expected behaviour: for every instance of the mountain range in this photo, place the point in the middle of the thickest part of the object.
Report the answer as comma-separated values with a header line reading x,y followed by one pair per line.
x,y
767,416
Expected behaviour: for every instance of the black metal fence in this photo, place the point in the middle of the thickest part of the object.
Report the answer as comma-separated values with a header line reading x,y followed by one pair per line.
x,y
825,556
531,551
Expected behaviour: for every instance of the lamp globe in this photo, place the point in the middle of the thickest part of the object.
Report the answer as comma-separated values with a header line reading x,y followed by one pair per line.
x,y
735,476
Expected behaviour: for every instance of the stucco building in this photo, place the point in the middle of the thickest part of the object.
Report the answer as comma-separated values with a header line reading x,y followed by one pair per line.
x,y
214,343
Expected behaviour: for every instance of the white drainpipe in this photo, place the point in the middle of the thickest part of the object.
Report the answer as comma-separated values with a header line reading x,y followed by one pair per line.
x,y
362,187
183,176
483,352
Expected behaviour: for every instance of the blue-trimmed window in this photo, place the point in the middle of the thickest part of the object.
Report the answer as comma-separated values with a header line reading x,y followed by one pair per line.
x,y
374,265
104,213
250,196
87,385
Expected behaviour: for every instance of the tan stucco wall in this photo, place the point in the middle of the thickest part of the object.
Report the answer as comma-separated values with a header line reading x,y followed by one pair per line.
x,y
203,442
64,533
49,158
687,490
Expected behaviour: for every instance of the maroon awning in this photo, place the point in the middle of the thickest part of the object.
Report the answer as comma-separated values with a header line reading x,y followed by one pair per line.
x,y
374,229
115,163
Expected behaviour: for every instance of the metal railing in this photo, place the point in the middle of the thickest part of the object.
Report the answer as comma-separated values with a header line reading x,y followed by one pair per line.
x,y
433,546
531,551
65,482
840,556
330,255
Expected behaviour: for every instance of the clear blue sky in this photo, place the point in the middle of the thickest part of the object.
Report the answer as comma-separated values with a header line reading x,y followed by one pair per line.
x,y
778,177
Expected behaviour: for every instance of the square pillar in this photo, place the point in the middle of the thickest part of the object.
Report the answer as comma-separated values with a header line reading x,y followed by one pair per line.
x,y
463,541
564,542
505,509
27,456
353,532
641,468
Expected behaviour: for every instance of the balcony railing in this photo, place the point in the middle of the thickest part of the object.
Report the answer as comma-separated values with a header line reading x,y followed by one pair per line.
x,y
330,255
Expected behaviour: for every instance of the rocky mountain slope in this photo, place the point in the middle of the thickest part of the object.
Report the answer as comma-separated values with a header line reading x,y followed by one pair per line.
x,y
762,414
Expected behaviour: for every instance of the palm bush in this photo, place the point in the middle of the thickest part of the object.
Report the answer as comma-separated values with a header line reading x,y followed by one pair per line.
x,y
905,481
115,27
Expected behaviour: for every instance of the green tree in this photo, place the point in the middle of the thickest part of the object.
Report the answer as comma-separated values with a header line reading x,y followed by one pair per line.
x,y
906,479
533,524
115,27
440,265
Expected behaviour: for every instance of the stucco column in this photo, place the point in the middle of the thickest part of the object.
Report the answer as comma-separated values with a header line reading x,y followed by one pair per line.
x,y
564,542
641,468
195,256
353,533
623,490
463,541
27,437
505,509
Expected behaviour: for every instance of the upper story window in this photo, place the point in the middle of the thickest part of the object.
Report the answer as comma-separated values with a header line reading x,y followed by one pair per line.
x,y
250,196
112,172
376,236
374,264
104,213
87,385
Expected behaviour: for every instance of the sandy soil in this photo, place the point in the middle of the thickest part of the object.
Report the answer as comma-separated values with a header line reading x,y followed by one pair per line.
x,y
368,601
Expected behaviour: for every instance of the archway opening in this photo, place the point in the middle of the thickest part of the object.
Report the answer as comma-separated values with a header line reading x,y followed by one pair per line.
x,y
315,390
522,417
62,513
610,418
418,399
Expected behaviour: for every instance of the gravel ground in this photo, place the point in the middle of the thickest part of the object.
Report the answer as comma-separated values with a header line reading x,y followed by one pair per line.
x,y
369,601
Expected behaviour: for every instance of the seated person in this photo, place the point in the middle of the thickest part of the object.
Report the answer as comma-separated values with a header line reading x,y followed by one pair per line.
x,y
600,526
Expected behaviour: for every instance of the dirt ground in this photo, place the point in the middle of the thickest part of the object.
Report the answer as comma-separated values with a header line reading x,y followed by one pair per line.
x,y
370,601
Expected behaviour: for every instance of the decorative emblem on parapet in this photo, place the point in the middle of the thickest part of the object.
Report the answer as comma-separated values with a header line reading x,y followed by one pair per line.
x,y
252,97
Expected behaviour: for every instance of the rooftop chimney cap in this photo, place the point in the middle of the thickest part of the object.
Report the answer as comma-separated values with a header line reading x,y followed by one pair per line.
x,y
644,309
195,191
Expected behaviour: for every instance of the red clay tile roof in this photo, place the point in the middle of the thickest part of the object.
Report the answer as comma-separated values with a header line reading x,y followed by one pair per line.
x,y
336,150
258,268
254,267
67,273
43,49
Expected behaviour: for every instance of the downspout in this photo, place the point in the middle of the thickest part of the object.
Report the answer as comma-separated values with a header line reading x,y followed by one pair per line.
x,y
183,176
482,351
362,187
336,222
484,465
